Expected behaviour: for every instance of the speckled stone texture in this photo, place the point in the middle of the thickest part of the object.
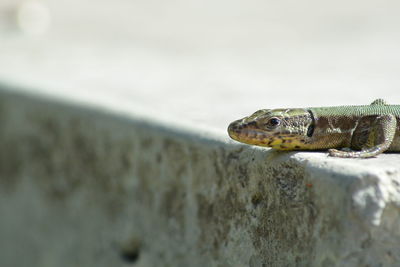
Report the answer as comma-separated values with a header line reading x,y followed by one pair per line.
x,y
85,187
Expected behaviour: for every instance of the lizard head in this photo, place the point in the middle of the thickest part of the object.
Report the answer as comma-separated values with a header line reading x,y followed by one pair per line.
x,y
277,128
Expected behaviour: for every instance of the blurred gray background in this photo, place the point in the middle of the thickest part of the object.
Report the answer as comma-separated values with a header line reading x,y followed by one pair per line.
x,y
206,62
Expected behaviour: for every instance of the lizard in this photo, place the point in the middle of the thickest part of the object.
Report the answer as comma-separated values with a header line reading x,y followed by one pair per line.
x,y
345,131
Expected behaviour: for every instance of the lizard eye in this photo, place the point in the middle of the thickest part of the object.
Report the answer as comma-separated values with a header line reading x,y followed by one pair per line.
x,y
273,122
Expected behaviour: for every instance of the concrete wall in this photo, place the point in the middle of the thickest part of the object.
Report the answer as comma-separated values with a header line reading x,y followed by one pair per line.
x,y
89,187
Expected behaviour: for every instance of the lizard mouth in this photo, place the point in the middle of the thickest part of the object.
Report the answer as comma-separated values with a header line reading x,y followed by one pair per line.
x,y
251,137
244,134
262,138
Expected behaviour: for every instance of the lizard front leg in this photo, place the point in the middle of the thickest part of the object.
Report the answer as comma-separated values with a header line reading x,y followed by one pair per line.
x,y
379,136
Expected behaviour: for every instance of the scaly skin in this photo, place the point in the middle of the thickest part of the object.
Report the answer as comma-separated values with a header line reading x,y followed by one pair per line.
x,y
361,131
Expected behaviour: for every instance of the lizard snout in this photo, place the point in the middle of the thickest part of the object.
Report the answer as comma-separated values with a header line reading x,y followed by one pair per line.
x,y
234,127
240,127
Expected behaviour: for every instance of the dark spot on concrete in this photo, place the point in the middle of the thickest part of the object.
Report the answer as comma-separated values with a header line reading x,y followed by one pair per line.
x,y
146,143
256,199
158,158
130,251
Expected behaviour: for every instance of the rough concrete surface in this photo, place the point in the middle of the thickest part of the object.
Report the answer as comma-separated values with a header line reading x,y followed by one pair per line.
x,y
84,187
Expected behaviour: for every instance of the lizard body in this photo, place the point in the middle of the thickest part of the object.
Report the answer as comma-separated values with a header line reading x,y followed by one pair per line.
x,y
367,130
